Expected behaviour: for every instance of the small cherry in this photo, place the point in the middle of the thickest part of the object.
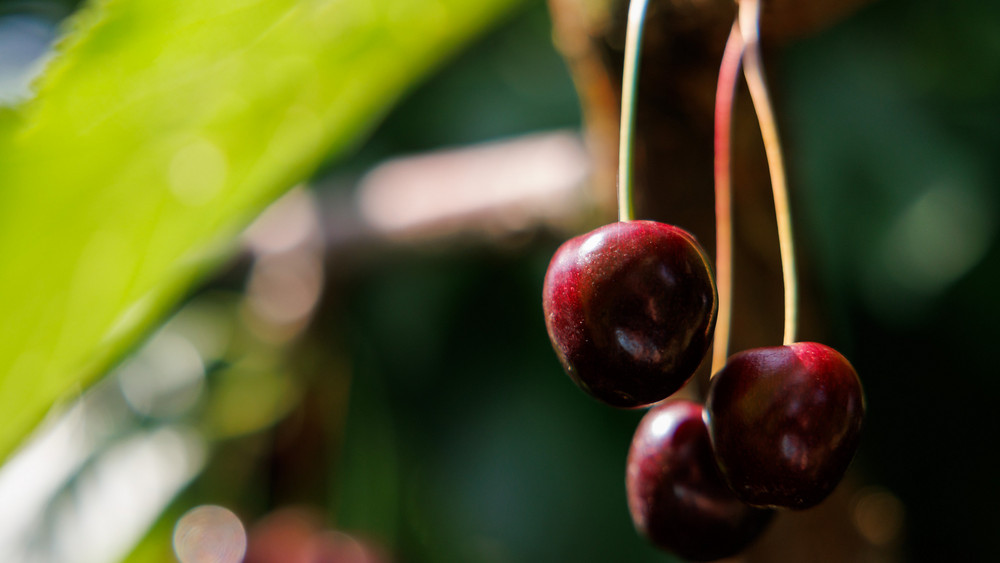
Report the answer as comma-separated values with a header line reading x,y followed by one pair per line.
x,y
785,422
676,494
630,308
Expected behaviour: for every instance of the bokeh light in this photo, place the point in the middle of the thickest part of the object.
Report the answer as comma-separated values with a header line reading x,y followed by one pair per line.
x,y
209,534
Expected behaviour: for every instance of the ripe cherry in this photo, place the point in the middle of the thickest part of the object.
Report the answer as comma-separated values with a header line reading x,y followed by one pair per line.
x,y
675,492
785,423
630,308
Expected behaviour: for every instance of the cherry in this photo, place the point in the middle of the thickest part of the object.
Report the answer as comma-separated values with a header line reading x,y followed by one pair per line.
x,y
675,492
630,308
785,422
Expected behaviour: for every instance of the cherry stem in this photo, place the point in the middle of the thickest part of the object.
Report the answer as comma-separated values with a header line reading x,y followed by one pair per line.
x,y
729,71
748,19
630,79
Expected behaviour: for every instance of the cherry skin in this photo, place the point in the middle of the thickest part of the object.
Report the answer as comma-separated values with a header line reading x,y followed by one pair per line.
x,y
630,308
785,423
676,493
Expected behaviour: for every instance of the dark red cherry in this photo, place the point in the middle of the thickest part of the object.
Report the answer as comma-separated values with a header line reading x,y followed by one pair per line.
x,y
675,492
630,308
785,423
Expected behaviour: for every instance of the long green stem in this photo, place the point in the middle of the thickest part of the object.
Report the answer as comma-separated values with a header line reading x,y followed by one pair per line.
x,y
749,18
630,79
729,71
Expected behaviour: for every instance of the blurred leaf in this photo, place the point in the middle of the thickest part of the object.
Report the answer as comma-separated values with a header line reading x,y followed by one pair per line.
x,y
368,497
157,545
159,130
247,398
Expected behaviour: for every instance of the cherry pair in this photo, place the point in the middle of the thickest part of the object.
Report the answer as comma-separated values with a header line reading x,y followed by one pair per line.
x,y
779,430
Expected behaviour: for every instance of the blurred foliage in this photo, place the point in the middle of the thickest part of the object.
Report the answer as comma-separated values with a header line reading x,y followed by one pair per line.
x,y
157,132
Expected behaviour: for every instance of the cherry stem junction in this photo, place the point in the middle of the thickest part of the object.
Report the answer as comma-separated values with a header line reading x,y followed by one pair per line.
x,y
630,79
728,73
748,19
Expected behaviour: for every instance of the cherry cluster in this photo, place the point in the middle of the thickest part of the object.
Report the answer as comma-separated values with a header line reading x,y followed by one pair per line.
x,y
630,309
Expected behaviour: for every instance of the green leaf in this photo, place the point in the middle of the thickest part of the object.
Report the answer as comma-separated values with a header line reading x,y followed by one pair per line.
x,y
158,132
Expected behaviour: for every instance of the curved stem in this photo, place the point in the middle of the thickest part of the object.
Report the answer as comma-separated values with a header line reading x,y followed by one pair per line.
x,y
749,16
630,79
728,72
